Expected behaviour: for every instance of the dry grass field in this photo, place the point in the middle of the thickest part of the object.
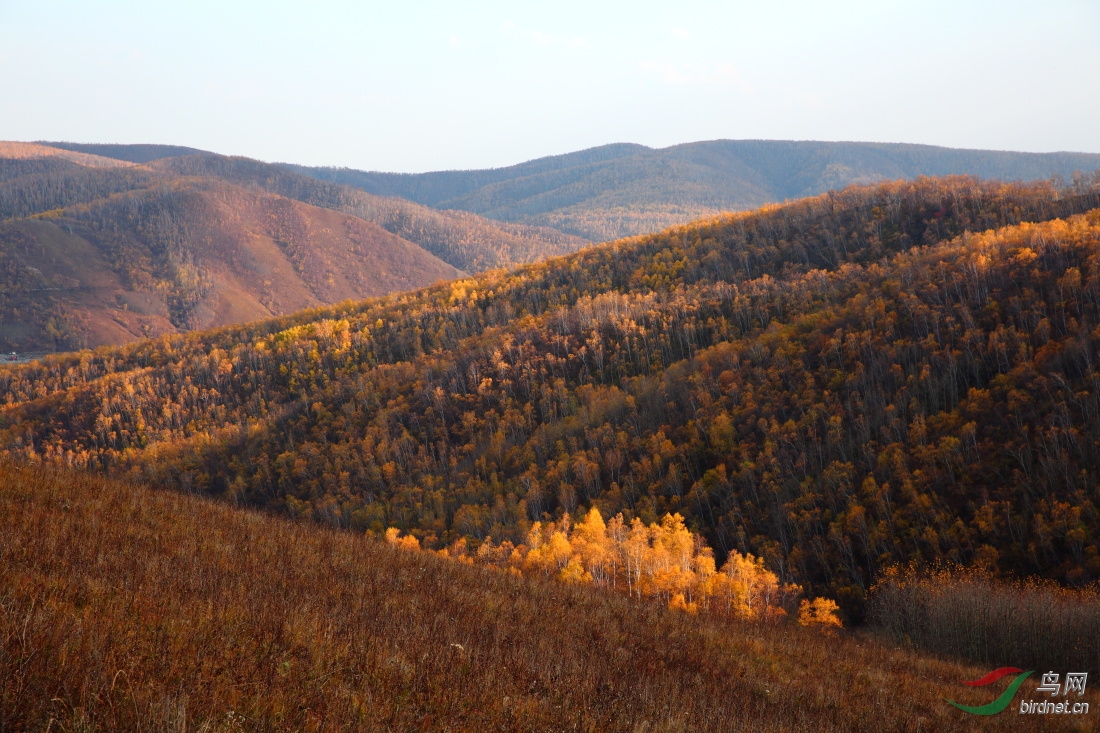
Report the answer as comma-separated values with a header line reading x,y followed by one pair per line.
x,y
123,608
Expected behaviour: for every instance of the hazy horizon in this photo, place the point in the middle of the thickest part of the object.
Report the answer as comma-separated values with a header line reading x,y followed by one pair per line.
x,y
277,160
421,86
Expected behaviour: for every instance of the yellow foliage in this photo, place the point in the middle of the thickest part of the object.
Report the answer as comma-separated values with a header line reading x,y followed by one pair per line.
x,y
820,611
747,590
574,572
679,603
408,542
663,560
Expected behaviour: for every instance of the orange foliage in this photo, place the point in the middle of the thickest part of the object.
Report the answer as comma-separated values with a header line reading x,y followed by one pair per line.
x,y
664,561
408,542
818,612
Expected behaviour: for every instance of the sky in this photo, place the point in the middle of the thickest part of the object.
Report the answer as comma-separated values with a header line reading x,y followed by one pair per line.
x,y
416,86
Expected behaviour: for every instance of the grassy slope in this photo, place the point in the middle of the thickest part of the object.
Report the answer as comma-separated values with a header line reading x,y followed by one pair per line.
x,y
622,190
126,609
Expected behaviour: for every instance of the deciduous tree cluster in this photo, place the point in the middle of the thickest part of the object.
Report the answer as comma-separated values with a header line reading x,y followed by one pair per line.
x,y
664,560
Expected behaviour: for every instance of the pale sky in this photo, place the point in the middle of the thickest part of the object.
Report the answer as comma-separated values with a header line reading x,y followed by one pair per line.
x,y
408,85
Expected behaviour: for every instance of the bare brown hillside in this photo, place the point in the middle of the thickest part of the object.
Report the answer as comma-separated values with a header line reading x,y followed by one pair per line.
x,y
189,254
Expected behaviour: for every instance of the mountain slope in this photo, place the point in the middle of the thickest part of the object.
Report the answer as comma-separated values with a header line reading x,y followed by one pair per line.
x,y
130,609
434,188
467,241
35,178
622,190
99,251
25,151
188,255
836,385
37,186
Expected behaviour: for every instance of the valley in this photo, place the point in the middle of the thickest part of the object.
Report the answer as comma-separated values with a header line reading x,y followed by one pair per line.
x,y
668,368
98,251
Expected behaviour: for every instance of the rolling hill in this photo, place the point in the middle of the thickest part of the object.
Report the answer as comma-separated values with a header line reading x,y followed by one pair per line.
x,y
190,255
131,153
470,242
98,250
37,151
622,190
130,609
889,374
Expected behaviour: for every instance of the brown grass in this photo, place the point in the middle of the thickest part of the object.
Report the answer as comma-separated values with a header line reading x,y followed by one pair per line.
x,y
970,615
127,609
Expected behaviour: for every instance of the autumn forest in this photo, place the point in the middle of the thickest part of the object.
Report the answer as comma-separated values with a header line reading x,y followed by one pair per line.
x,y
292,453
893,373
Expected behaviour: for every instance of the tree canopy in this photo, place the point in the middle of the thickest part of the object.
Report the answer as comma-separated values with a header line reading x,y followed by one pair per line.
x,y
904,372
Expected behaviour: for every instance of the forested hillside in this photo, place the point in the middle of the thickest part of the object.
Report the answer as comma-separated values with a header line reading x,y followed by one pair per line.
x,y
132,153
35,178
621,190
34,151
95,250
890,373
467,241
436,187
187,255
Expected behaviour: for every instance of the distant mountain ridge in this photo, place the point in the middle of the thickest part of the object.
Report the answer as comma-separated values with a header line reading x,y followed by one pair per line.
x,y
103,244
626,189
436,188
133,153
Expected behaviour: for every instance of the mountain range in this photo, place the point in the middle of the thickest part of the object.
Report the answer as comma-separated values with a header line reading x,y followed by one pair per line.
x,y
103,244
389,452
625,189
